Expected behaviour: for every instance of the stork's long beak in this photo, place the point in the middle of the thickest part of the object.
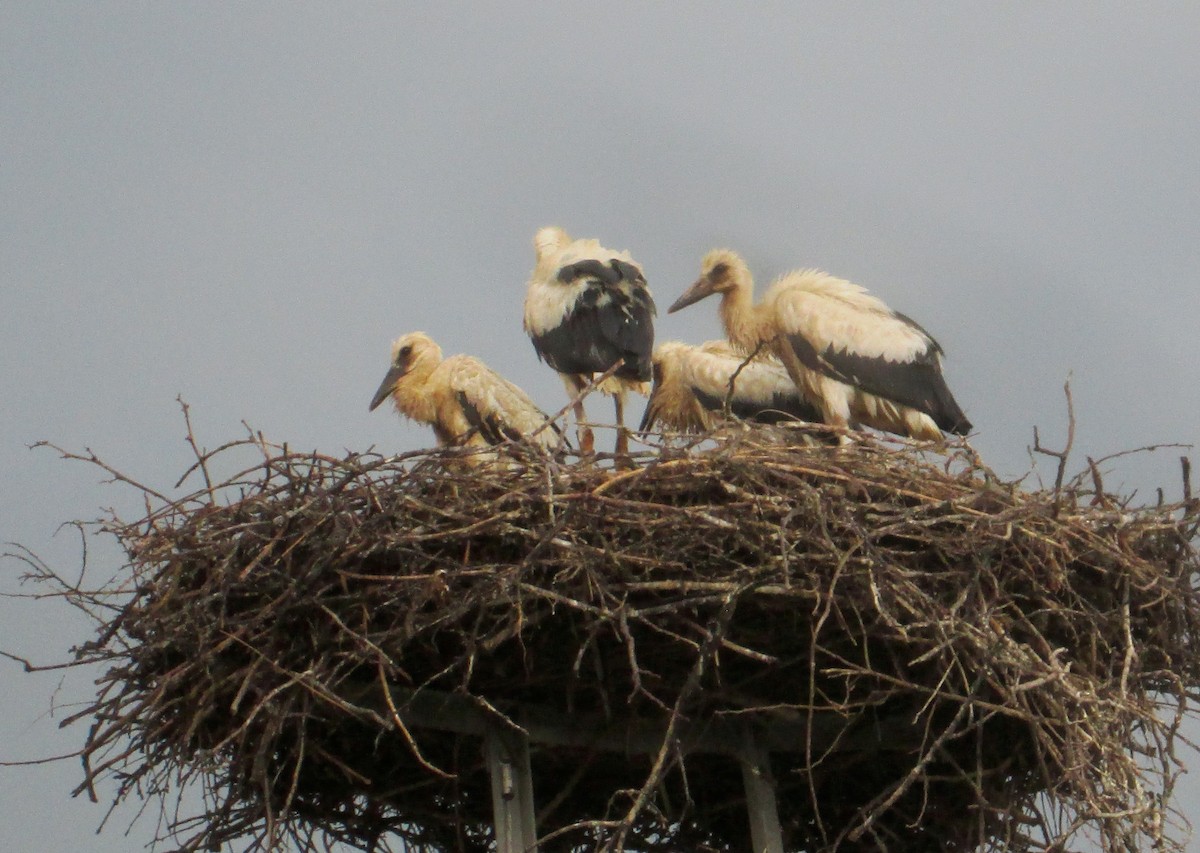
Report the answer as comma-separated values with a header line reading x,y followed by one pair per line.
x,y
386,386
703,287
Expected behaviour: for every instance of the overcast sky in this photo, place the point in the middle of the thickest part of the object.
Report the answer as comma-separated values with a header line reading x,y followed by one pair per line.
x,y
243,205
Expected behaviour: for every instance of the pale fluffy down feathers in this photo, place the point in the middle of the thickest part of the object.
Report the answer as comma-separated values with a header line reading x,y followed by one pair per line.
x,y
464,400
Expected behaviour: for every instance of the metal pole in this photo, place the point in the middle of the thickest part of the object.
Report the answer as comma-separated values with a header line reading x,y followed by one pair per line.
x,y
512,790
765,833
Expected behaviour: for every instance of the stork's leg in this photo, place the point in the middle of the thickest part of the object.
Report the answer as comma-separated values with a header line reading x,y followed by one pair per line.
x,y
832,417
835,408
587,441
622,433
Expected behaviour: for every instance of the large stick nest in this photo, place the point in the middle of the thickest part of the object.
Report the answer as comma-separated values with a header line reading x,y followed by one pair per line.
x,y
935,659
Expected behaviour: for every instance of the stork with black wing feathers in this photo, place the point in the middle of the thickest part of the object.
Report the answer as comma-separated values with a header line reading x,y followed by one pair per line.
x,y
588,309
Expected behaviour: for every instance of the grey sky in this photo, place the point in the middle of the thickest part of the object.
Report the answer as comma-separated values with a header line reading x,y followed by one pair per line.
x,y
245,204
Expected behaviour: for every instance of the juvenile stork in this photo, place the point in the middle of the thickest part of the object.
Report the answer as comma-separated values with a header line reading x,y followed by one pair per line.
x,y
691,385
859,360
587,308
465,401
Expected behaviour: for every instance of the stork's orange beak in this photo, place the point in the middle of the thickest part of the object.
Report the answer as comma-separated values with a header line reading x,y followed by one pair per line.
x,y
386,387
703,287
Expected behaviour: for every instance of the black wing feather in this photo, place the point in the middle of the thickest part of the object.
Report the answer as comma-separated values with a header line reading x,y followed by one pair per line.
x,y
626,271
613,320
918,384
494,430
590,268
782,408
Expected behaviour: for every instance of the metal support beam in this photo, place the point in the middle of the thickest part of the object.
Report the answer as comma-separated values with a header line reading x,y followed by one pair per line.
x,y
427,708
765,833
512,790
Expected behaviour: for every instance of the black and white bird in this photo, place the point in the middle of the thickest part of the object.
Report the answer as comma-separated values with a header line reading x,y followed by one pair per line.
x,y
465,401
856,358
587,308
692,384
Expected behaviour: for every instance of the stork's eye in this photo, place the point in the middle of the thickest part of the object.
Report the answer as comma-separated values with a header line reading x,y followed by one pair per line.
x,y
719,271
405,352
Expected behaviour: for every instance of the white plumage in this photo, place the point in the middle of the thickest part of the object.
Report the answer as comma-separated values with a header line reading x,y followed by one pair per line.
x,y
692,386
464,400
587,308
859,360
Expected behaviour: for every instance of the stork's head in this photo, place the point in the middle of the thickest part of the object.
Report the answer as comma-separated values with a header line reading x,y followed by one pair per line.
x,y
408,352
721,271
549,241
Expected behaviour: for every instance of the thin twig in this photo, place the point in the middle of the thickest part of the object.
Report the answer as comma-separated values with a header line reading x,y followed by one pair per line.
x,y
1060,455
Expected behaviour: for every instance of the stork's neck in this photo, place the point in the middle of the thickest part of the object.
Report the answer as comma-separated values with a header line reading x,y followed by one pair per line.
x,y
413,396
741,318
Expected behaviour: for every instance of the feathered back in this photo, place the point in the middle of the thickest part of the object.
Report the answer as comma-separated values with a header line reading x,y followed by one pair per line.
x,y
588,307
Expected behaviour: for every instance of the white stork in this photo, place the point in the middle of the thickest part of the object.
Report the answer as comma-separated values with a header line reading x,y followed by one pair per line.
x,y
464,400
859,360
692,383
588,308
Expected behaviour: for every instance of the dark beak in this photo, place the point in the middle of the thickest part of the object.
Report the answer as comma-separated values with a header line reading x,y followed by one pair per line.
x,y
702,288
386,387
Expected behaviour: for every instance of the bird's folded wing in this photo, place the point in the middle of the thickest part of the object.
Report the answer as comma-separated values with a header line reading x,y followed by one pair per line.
x,y
866,330
496,407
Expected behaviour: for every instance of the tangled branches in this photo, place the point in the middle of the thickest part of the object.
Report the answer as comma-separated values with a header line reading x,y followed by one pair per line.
x,y
927,657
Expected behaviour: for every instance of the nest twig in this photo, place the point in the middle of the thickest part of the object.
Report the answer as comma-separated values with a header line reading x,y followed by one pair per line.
x,y
933,658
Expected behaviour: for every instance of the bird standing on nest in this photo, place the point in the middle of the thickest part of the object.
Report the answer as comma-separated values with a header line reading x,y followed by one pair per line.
x,y
692,384
587,308
465,401
859,360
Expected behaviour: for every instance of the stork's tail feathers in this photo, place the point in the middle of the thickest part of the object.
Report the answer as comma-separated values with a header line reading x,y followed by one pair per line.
x,y
618,384
961,426
948,415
